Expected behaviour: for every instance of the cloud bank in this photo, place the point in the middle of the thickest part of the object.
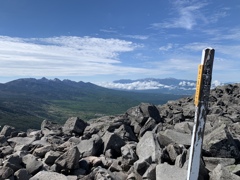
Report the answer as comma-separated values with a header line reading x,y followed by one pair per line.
x,y
138,85
63,56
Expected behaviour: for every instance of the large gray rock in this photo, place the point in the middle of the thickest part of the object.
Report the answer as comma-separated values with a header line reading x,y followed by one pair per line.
x,y
74,125
141,166
184,127
6,150
126,133
7,130
21,147
119,175
234,168
150,173
168,172
142,112
91,147
5,172
220,143
212,162
3,141
43,175
148,126
22,140
181,159
22,174
50,157
139,115
106,123
148,147
50,128
68,160
40,152
221,173
113,142
171,136
32,164
129,155
173,151
14,162
101,174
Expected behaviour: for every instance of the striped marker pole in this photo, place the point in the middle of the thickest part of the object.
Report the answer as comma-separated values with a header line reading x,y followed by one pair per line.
x,y
203,86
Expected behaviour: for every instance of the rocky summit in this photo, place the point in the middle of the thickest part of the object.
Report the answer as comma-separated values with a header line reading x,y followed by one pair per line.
x,y
147,142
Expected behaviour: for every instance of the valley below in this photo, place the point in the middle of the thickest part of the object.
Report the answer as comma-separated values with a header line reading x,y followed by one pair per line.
x,y
25,103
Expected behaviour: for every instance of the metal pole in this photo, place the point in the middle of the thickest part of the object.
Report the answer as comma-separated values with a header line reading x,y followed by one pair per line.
x,y
201,104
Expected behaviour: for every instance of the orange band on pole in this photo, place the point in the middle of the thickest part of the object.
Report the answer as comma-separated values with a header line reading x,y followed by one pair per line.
x,y
198,86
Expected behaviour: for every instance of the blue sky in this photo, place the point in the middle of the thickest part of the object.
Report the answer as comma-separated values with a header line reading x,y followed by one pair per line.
x,y
102,41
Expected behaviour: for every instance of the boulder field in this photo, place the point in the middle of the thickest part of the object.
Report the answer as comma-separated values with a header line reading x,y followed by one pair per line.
x,y
147,142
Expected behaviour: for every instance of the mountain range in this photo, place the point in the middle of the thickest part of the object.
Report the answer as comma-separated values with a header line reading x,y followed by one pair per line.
x,y
24,103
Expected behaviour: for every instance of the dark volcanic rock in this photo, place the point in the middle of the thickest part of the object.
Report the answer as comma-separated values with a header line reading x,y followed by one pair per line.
x,y
7,130
32,164
43,175
74,125
222,173
50,128
91,147
148,147
69,160
22,174
5,172
220,143
114,142
166,171
14,162
139,116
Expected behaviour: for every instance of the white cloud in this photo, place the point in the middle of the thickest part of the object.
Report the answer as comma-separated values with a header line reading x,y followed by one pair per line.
x,y
229,51
63,56
220,34
140,37
187,14
186,83
216,83
166,48
138,85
